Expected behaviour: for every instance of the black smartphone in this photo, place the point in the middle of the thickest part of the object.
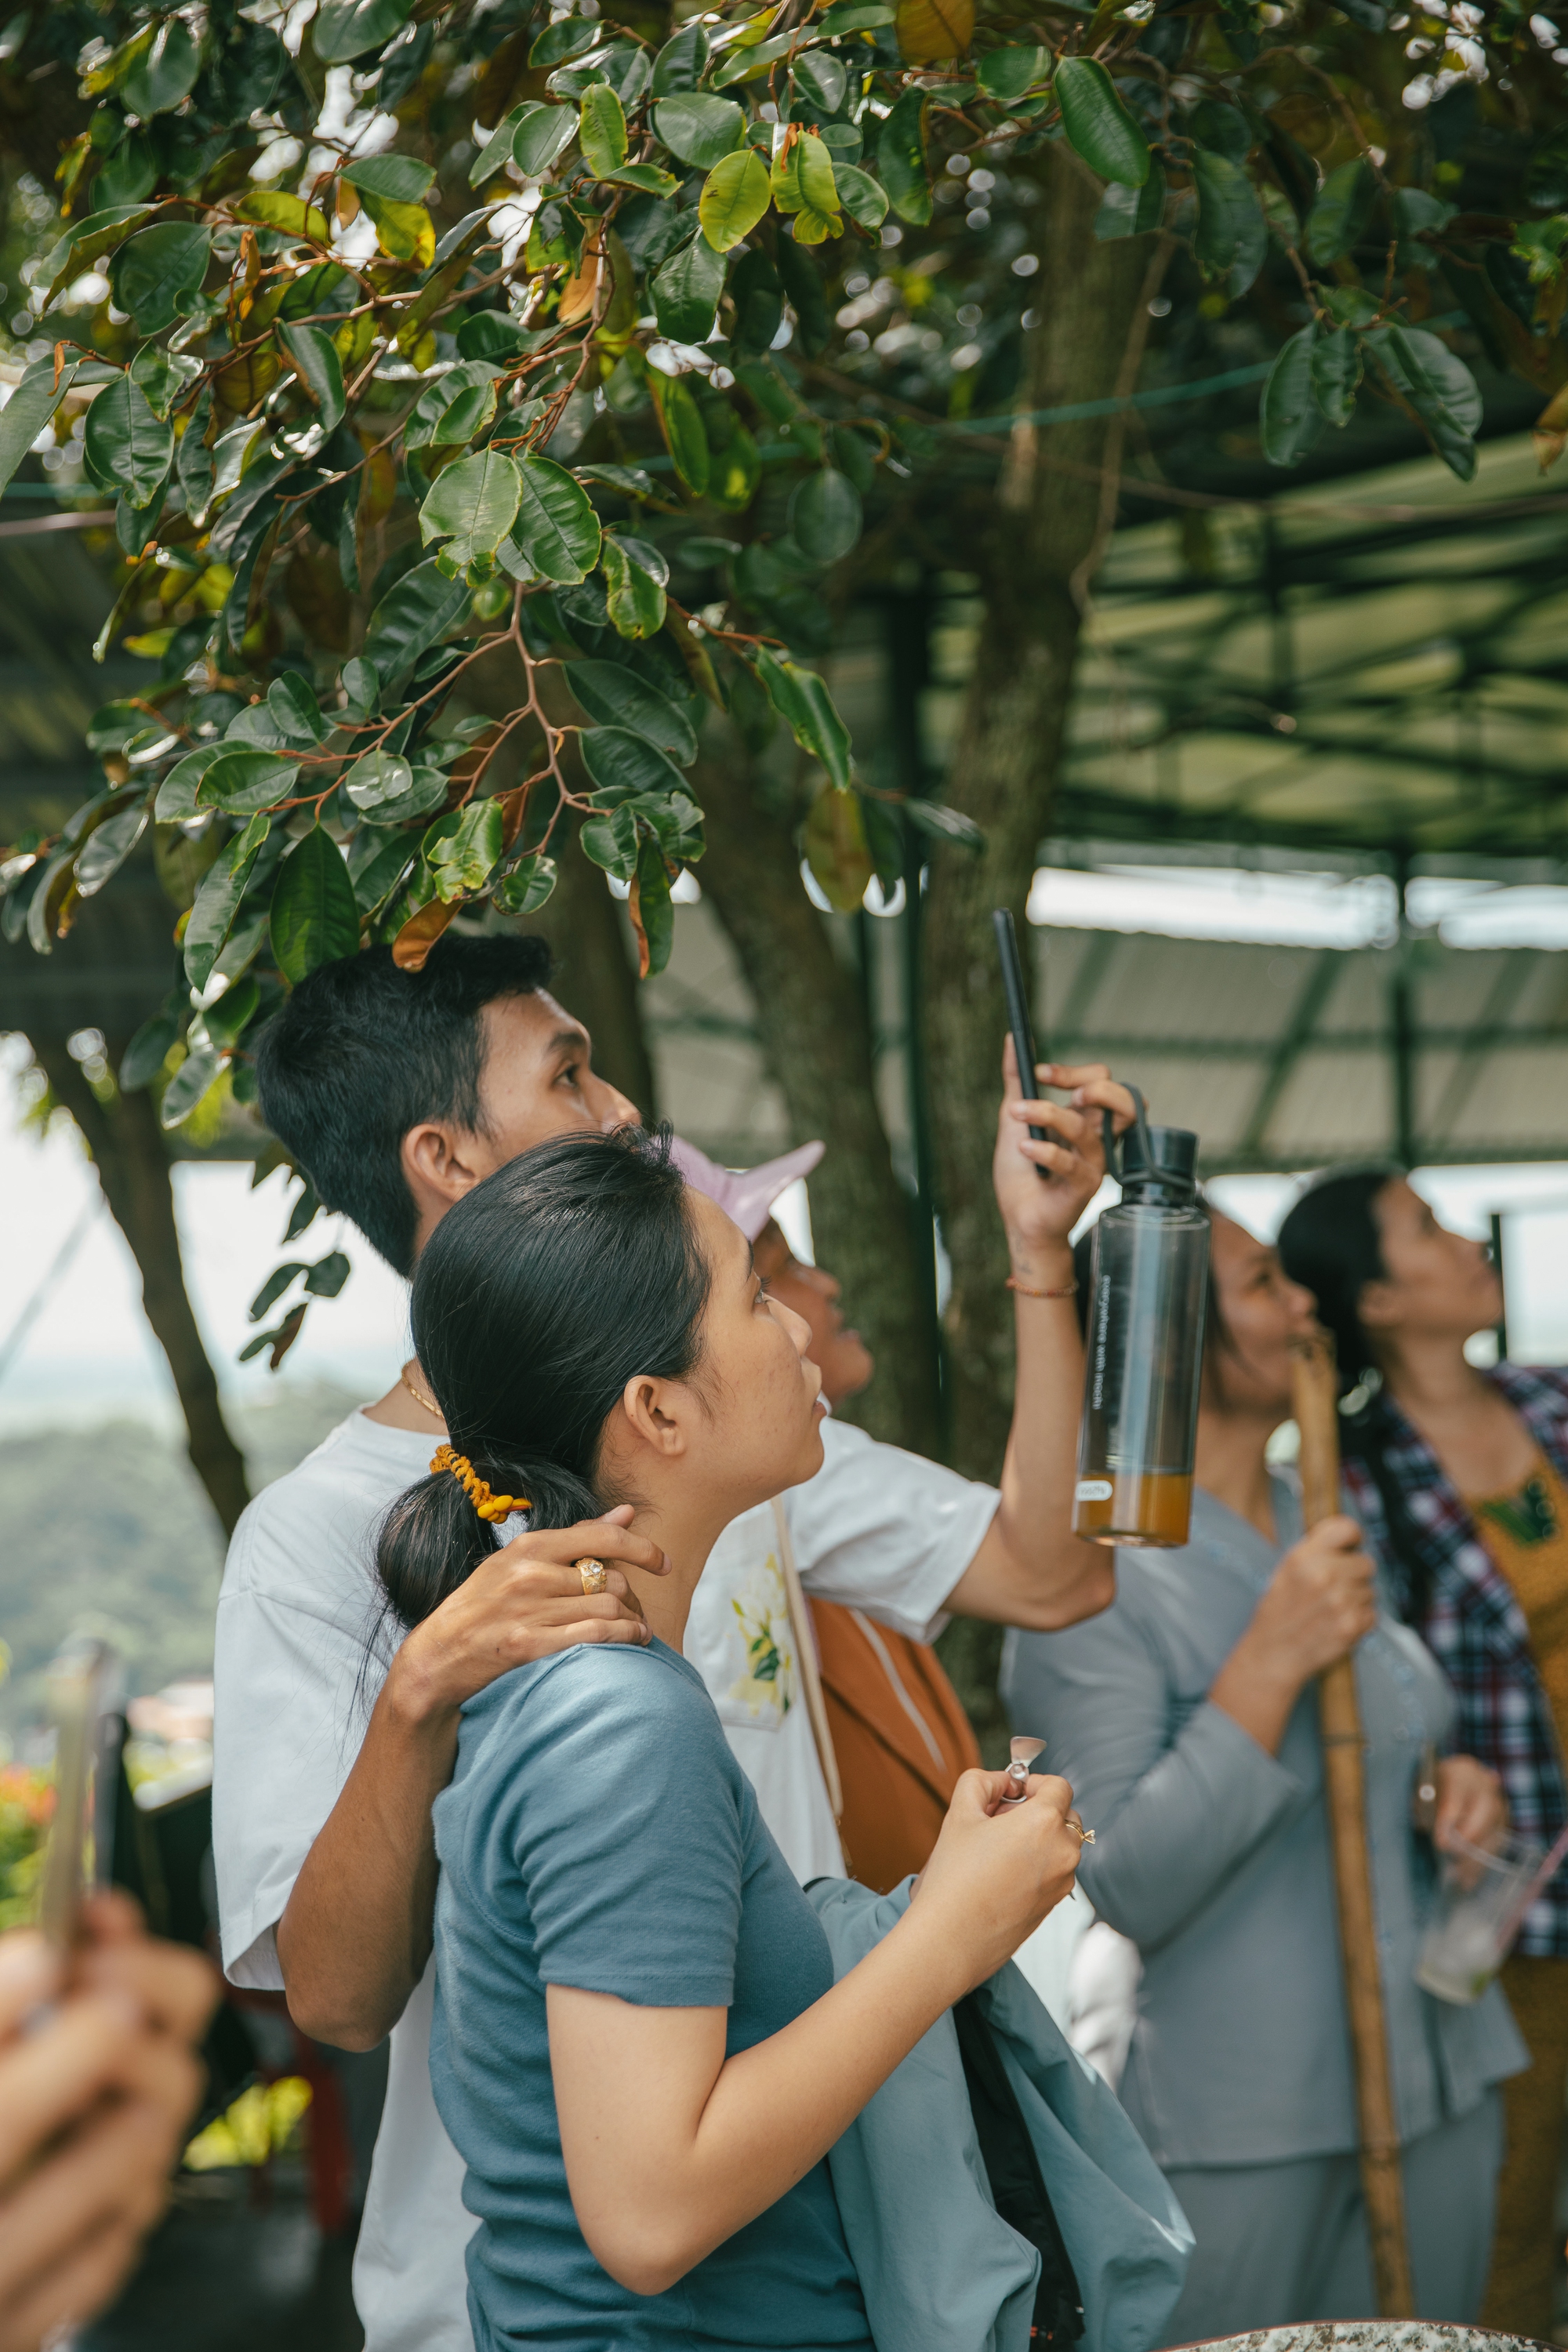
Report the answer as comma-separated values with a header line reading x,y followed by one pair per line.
x,y
1016,993
84,1688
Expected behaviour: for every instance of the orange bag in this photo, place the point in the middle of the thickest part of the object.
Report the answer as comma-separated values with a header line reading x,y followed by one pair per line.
x,y
900,1737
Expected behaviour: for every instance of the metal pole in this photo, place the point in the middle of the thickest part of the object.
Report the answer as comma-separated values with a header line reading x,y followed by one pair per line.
x,y
1316,1401
1402,1029
908,668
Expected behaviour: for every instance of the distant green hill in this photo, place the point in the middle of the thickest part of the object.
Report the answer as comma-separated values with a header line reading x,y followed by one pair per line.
x,y
108,1530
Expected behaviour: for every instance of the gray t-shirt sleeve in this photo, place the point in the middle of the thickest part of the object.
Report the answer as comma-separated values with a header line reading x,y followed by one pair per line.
x,y
631,1844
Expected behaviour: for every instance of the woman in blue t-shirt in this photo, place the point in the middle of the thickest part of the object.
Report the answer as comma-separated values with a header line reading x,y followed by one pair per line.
x,y
639,2048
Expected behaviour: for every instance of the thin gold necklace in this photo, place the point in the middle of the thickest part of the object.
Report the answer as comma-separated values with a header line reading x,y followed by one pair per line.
x,y
428,1404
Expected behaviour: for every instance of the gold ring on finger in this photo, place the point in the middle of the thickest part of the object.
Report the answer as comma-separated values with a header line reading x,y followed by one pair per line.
x,y
594,1573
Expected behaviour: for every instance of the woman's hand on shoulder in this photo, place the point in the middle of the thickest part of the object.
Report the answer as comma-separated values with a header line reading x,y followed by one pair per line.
x,y
524,1604
996,1871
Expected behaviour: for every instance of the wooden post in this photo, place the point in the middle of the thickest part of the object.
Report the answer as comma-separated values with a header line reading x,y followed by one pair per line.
x,y
1344,1790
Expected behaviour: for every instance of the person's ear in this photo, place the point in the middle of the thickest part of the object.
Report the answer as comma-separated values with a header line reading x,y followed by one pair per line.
x,y
440,1163
655,1413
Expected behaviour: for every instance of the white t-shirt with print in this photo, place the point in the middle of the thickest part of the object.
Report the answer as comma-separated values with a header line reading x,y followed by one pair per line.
x,y
878,1529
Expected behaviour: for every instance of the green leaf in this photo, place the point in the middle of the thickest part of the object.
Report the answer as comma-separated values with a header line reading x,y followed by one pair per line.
x,y
148,1050
164,73
526,888
29,410
346,30
541,137
413,614
328,1275
652,914
427,790
862,198
803,284
380,775
243,778
750,63
177,793
493,335
678,64
217,902
567,37
854,17
291,701
1336,371
1006,74
473,503
1341,212
650,177
426,416
626,764
396,179
618,698
824,515
274,208
836,850
1289,415
902,159
463,859
612,842
1439,388
803,180
1098,125
162,376
700,130
636,575
734,197
314,918
821,79
686,290
192,1082
496,153
128,448
280,1280
556,532
107,848
90,239
803,703
680,422
602,132
315,356
1232,235
155,268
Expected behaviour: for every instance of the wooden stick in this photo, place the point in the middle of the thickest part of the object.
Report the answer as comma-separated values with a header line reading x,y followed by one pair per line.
x,y
1344,1789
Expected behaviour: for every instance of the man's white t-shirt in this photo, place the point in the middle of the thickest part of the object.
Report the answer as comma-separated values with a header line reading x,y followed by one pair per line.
x,y
297,1673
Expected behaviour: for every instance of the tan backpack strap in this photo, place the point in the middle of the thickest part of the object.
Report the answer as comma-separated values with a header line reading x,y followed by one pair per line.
x,y
805,1660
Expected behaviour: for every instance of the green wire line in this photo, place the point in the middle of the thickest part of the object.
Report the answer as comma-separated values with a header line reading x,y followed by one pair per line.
x,y
1079,410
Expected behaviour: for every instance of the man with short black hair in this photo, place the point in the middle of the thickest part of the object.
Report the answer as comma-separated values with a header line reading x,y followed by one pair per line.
x,y
378,1080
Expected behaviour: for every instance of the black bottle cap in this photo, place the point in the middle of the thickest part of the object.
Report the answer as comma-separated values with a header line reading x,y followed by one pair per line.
x,y
1168,1171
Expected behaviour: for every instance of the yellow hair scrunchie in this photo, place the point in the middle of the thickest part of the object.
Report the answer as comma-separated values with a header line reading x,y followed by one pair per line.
x,y
487,1505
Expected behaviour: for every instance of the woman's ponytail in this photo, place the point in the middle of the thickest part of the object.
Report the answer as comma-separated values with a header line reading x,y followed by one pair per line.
x,y
433,1539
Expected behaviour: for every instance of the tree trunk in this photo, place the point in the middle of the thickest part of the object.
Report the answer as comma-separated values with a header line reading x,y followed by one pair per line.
x,y
591,941
818,1043
127,1148
1045,536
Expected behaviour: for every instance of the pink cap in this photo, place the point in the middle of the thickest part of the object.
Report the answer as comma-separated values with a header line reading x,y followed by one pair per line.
x,y
745,1194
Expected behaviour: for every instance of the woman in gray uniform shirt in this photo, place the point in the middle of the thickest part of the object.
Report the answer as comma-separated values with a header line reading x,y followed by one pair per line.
x,y
1187,1723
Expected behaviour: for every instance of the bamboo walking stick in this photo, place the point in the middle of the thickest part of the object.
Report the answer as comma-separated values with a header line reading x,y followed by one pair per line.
x,y
1344,1790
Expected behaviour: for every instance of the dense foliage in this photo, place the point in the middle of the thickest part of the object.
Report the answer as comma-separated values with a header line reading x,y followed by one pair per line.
x,y
422,347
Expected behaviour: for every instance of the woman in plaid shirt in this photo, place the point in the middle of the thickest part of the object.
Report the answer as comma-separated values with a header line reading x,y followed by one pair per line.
x,y
1460,1479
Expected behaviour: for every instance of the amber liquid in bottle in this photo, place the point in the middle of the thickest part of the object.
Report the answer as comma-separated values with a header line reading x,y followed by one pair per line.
x,y
1148,1509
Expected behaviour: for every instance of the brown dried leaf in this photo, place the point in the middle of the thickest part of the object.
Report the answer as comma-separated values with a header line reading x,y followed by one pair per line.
x,y
421,931
932,31
581,291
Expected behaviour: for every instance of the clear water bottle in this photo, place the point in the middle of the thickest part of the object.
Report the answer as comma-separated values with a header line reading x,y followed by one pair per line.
x,y
1148,1288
